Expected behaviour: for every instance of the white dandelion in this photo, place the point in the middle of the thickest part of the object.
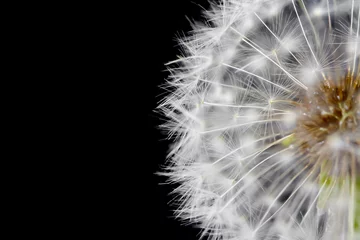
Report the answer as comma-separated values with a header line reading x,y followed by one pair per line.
x,y
264,110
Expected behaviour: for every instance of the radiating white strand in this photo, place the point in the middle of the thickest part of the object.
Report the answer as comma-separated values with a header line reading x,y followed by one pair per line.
x,y
356,44
247,173
329,17
352,17
246,145
252,169
267,57
315,200
277,38
303,31
224,85
262,222
261,78
240,125
241,106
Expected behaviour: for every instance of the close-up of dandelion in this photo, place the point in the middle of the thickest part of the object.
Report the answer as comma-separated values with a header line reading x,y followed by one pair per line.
x,y
262,107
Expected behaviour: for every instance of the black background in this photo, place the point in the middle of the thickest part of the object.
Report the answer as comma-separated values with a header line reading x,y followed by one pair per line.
x,y
163,22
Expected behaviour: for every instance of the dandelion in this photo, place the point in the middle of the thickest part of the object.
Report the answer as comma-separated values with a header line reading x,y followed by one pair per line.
x,y
264,110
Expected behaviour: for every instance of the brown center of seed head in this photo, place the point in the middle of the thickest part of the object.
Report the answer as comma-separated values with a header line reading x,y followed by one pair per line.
x,y
329,119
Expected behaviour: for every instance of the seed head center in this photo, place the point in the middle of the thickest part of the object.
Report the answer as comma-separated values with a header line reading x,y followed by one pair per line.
x,y
328,125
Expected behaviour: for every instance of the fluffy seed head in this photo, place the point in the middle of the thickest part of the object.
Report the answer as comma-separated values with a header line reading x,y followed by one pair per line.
x,y
264,111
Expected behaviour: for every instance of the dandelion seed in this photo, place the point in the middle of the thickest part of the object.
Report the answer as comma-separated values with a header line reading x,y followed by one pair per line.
x,y
264,110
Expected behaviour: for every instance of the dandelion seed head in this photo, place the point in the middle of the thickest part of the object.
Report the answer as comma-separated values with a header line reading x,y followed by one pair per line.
x,y
264,110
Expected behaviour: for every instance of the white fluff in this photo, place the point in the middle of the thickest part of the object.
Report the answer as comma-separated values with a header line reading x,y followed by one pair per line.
x,y
231,114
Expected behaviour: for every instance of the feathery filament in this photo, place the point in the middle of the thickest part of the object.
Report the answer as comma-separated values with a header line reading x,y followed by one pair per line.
x,y
264,110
